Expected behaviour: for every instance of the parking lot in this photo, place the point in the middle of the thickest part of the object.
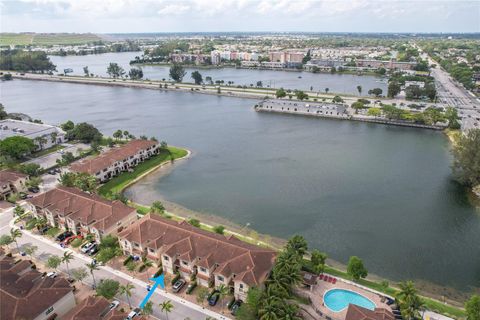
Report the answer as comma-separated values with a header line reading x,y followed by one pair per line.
x,y
50,160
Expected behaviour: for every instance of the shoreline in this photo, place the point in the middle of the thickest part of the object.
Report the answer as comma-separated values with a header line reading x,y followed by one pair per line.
x,y
454,297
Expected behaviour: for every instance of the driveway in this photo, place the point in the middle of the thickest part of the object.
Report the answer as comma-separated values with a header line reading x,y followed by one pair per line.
x,y
182,309
50,160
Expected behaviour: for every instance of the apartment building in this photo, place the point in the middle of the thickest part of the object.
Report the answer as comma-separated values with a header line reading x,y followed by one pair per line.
x,y
43,135
12,182
95,308
212,258
26,294
389,65
81,212
117,160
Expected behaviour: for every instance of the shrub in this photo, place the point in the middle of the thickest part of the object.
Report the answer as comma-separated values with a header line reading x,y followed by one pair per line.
x,y
31,224
126,261
194,222
106,254
52,232
219,229
108,288
76,243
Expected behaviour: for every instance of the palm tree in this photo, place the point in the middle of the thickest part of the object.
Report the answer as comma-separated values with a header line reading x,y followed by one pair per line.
x,y
54,136
270,309
326,90
40,222
359,89
14,234
41,141
410,303
222,293
147,264
290,312
166,307
92,267
30,250
67,257
147,308
127,291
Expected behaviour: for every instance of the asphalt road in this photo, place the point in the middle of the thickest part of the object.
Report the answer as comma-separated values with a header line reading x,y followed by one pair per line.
x,y
182,309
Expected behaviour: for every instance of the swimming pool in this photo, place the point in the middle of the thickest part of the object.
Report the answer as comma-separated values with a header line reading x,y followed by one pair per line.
x,y
339,299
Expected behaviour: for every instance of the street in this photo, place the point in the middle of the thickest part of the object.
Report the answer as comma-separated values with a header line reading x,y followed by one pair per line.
x,y
46,247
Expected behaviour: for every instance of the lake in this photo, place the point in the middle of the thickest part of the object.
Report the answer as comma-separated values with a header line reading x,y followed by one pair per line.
x,y
339,83
382,193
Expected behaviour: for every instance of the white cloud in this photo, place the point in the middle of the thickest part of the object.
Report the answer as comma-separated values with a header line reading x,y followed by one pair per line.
x,y
173,9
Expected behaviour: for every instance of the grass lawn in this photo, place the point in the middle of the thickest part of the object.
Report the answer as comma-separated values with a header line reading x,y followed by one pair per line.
x,y
52,232
117,184
23,39
430,304
44,152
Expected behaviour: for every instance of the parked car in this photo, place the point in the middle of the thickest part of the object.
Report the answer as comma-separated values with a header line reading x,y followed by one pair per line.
x,y
213,298
34,189
135,312
178,285
63,236
44,229
190,287
52,172
52,275
235,306
87,246
57,170
114,304
93,250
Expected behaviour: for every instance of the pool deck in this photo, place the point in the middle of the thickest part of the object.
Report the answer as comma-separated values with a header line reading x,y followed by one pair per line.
x,y
321,287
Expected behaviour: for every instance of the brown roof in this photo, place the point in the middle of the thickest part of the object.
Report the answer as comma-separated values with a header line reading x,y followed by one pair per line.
x,y
8,176
88,209
94,308
26,295
108,158
8,263
355,312
249,263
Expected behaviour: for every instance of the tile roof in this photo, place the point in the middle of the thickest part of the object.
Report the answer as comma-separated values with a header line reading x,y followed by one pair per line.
x,y
26,295
8,176
249,263
82,207
108,158
355,312
94,308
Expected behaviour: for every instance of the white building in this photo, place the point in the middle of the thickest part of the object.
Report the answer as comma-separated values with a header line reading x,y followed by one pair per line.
x,y
43,135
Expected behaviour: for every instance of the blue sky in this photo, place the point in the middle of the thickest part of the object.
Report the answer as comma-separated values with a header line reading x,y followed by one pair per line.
x,y
119,16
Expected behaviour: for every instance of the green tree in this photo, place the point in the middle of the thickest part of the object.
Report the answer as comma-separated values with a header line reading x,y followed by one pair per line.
x,y
107,288
177,72
167,307
451,115
197,77
297,244
375,112
318,260
18,211
472,308
31,169
280,93
69,125
30,250
148,308
326,90
92,267
194,222
270,309
222,292
14,235
114,70
26,61
359,89
135,73
84,132
466,154
40,141
53,262
3,113
337,99
409,301
118,134
377,92
356,269
158,207
127,291
202,294
5,240
79,274
357,105
67,179
85,182
16,147
85,71
301,95
67,257
393,89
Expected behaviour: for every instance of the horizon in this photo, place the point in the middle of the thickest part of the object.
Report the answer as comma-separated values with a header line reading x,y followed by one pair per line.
x,y
123,16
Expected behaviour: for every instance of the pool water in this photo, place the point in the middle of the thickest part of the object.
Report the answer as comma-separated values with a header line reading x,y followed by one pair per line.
x,y
339,299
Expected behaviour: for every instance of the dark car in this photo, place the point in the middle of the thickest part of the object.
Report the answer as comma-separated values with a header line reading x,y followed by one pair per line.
x,y
235,306
93,250
213,298
63,236
178,285
34,189
52,172
44,229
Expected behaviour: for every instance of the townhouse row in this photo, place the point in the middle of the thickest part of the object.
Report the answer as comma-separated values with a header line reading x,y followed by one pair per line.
x,y
117,160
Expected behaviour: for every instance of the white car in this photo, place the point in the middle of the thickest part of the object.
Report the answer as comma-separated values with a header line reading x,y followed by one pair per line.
x,y
87,246
52,275
114,304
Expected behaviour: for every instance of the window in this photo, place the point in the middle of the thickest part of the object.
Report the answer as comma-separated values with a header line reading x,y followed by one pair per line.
x,y
166,258
203,269
185,263
151,250
220,278
136,244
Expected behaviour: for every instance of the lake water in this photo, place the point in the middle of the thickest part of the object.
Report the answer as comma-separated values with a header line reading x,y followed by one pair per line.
x,y
340,83
382,193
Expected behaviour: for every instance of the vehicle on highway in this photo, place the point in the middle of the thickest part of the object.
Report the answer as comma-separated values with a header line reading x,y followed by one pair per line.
x,y
213,298
87,246
178,285
134,313
64,235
